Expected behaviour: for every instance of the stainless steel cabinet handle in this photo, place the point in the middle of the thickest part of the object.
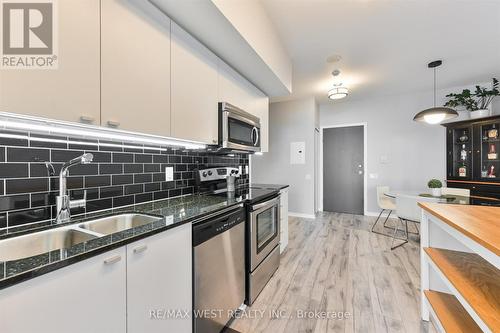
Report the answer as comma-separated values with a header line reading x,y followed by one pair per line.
x,y
86,119
140,249
112,260
113,124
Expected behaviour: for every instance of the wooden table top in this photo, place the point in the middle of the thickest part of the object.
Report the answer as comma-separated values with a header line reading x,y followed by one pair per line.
x,y
480,223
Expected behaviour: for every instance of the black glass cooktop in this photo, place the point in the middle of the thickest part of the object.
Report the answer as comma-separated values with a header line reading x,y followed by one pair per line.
x,y
249,194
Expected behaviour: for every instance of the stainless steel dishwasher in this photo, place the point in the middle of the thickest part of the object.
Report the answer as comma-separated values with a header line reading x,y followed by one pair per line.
x,y
219,270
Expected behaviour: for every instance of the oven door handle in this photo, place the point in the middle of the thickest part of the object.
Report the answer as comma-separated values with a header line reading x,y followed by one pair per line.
x,y
269,203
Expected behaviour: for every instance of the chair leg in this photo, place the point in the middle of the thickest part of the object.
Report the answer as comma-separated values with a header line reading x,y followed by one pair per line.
x,y
390,212
394,235
376,221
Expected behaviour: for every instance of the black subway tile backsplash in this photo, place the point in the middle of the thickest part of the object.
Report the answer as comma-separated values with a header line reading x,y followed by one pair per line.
x,y
97,181
13,202
134,189
16,218
27,185
110,169
133,168
13,170
27,154
109,192
121,174
123,158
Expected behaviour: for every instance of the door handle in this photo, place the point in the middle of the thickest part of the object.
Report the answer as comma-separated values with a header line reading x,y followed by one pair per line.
x,y
112,260
140,249
113,124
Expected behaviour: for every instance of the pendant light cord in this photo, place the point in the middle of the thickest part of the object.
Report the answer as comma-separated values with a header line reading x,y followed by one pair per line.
x,y
434,86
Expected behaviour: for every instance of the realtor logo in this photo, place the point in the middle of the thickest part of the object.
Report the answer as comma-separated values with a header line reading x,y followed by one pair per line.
x,y
28,34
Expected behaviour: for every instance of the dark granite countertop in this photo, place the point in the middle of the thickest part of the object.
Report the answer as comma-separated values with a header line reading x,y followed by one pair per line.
x,y
270,186
172,212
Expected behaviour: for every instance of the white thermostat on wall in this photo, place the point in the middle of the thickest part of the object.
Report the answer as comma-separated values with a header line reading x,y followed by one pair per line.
x,y
297,152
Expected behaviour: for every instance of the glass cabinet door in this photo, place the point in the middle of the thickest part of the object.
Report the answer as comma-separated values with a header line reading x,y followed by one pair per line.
x,y
460,153
488,151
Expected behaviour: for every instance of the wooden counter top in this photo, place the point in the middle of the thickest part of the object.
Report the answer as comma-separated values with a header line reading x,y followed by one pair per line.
x,y
480,223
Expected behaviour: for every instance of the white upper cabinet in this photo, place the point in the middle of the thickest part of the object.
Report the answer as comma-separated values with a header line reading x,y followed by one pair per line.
x,y
262,111
88,296
194,89
236,90
72,90
135,70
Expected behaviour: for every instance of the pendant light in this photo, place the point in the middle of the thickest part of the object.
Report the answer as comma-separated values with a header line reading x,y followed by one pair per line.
x,y
435,115
338,91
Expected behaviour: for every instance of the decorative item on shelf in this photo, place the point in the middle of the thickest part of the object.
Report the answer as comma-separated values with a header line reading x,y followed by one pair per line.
x,y
464,137
484,172
477,102
463,154
492,152
491,172
435,185
485,135
493,132
435,115
462,170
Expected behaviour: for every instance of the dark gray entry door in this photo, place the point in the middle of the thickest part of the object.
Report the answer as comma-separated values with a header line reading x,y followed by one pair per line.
x,y
343,170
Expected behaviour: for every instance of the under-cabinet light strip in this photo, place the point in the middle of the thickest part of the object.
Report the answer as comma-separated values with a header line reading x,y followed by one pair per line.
x,y
21,122
83,143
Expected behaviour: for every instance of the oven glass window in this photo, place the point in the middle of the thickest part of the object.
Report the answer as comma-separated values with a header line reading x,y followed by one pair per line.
x,y
240,132
266,227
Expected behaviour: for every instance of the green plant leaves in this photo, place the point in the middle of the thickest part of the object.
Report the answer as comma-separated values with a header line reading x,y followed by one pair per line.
x,y
479,100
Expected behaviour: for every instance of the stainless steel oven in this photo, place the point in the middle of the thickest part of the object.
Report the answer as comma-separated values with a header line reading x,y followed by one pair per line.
x,y
238,130
263,249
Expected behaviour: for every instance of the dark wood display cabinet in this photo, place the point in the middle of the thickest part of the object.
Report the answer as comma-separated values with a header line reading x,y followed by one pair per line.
x,y
473,155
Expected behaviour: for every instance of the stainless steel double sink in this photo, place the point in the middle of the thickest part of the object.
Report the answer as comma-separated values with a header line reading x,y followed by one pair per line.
x,y
62,238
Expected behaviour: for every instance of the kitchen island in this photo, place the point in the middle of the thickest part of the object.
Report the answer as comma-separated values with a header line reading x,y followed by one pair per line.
x,y
460,267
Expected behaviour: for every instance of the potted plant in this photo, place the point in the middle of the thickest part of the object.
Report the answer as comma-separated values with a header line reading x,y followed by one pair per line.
x,y
477,102
435,185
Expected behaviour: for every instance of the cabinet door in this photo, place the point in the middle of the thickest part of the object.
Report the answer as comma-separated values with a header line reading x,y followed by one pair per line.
x,y
194,89
158,280
88,296
262,111
135,67
72,90
235,89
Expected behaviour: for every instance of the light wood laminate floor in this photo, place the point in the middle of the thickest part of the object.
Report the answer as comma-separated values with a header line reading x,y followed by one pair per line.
x,y
335,264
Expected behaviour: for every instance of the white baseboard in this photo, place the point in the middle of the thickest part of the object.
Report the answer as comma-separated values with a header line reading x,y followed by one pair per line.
x,y
372,213
305,216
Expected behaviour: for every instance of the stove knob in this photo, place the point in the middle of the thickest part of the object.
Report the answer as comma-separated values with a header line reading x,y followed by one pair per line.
x,y
204,174
210,173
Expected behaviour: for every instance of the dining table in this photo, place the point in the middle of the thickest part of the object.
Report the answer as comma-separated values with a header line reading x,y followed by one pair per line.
x,y
447,198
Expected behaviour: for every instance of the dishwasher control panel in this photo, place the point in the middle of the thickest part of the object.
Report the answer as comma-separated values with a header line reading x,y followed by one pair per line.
x,y
205,230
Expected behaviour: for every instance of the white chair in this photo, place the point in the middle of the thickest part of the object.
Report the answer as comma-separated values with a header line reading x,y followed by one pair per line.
x,y
384,203
456,191
408,210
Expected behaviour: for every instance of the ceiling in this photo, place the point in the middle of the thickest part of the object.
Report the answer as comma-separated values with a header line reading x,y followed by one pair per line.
x,y
386,45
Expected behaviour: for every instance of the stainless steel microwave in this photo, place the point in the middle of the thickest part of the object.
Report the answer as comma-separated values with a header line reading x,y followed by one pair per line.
x,y
238,130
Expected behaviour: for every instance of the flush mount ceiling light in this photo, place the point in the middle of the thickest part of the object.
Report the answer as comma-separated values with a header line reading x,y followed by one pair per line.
x,y
435,115
338,91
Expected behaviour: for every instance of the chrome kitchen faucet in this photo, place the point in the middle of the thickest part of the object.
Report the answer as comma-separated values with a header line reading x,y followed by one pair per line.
x,y
63,202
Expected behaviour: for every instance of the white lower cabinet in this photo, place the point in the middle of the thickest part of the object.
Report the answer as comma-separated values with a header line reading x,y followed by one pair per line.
x,y
135,288
159,282
283,219
88,296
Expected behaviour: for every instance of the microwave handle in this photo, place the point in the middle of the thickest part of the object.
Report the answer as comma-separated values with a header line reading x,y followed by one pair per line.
x,y
255,135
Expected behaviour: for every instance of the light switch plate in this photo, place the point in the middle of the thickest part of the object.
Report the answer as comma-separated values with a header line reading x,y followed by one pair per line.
x,y
169,174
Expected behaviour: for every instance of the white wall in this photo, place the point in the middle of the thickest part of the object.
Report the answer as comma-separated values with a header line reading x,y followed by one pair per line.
x,y
413,152
291,121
